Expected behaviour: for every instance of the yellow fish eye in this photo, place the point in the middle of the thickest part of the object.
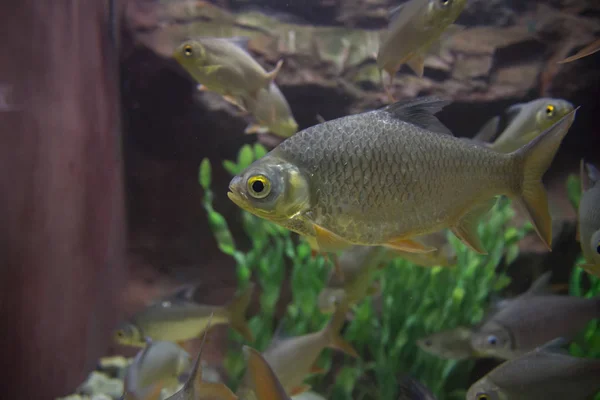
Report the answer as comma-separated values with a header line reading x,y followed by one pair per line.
x,y
187,50
550,110
482,396
259,186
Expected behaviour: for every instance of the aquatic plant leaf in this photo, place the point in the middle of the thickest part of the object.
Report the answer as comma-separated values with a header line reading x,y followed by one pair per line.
x,y
205,174
245,157
574,190
259,151
231,167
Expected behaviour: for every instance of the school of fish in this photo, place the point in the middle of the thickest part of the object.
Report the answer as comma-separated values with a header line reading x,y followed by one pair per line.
x,y
366,189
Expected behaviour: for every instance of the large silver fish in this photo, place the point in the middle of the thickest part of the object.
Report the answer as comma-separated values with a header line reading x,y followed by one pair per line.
x,y
386,176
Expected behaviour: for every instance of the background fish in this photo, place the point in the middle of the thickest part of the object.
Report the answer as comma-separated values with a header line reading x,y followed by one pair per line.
x,y
411,389
272,112
452,344
526,121
294,358
156,366
530,320
589,218
545,373
385,176
195,388
224,66
263,380
414,27
178,318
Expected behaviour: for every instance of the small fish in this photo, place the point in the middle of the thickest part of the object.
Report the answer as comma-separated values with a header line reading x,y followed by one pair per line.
x,y
415,26
586,51
272,113
224,66
384,177
532,319
589,218
357,265
196,389
527,121
178,318
548,373
411,389
293,359
155,367
263,380
452,344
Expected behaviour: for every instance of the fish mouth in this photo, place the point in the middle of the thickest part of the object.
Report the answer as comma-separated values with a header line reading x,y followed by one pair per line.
x,y
235,194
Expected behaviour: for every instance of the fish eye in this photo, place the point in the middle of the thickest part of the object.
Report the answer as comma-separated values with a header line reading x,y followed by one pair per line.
x,y
187,50
428,343
550,110
259,186
492,340
482,396
120,333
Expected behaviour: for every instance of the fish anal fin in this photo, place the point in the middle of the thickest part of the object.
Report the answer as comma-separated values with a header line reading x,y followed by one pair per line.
x,y
420,112
466,229
328,241
299,390
417,64
255,128
214,390
409,246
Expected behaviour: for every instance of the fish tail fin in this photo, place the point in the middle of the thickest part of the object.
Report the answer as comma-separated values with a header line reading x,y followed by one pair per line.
x,y
535,158
332,330
273,74
237,313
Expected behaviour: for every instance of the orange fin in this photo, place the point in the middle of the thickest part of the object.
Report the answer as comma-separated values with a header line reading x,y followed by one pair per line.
x,y
409,246
299,390
466,229
328,241
263,380
317,370
213,390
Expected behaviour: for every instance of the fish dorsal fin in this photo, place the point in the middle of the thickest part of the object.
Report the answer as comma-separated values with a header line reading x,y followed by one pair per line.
x,y
593,173
420,112
512,112
540,286
555,346
280,335
410,388
182,293
240,41
488,132
195,379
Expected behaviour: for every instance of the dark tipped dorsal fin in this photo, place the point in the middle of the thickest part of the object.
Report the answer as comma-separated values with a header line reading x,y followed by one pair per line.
x,y
420,112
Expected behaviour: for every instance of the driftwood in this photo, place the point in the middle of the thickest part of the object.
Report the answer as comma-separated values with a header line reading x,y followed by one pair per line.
x,y
61,203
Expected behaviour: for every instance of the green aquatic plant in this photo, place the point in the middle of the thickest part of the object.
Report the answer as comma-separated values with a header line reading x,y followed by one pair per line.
x,y
414,301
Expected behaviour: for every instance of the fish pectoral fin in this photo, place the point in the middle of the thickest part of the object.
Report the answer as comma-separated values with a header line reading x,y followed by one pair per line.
x,y
328,241
255,128
213,390
409,246
211,69
417,64
315,369
273,74
299,390
592,269
466,229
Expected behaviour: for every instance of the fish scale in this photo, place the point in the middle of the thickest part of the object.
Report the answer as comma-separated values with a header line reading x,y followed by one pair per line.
x,y
390,197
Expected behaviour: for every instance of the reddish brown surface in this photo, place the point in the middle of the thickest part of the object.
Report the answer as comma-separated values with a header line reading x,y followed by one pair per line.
x,y
61,207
